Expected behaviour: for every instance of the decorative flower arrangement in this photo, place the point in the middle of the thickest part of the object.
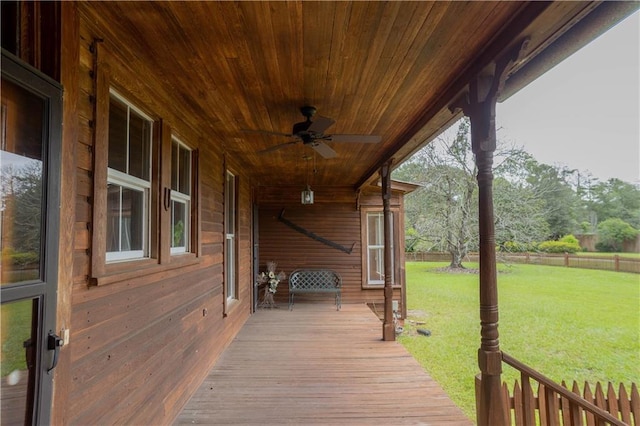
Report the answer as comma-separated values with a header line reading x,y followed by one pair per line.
x,y
271,277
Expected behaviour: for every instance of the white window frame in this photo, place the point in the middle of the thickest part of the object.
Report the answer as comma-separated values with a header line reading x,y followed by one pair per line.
x,y
230,237
125,180
379,248
185,199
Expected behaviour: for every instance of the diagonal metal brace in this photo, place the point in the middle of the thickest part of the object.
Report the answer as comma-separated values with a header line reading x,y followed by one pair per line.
x,y
314,236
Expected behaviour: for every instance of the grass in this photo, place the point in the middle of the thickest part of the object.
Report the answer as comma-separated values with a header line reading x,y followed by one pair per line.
x,y
15,322
569,324
607,255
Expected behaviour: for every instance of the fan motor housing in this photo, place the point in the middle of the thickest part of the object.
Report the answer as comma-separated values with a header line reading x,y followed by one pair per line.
x,y
299,128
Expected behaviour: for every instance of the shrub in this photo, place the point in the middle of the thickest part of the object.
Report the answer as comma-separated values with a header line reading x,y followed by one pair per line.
x,y
516,247
20,259
613,233
605,248
568,244
571,239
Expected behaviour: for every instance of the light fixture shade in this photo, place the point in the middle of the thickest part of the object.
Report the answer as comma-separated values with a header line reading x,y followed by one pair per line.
x,y
307,196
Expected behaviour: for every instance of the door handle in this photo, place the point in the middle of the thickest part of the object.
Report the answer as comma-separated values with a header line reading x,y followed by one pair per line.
x,y
54,343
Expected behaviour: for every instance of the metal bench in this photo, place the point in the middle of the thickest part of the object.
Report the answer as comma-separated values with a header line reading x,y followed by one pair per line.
x,y
315,281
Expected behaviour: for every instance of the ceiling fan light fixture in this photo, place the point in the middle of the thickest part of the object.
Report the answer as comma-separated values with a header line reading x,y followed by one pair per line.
x,y
307,196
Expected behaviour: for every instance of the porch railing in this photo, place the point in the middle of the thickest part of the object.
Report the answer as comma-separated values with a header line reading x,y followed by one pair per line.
x,y
555,404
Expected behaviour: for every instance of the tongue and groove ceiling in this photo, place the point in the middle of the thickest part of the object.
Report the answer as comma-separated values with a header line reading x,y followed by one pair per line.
x,y
377,68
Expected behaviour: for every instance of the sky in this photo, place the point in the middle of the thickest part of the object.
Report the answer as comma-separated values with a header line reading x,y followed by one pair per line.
x,y
585,112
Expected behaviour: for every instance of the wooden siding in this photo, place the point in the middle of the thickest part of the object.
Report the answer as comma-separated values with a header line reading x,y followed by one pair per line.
x,y
333,216
314,365
141,343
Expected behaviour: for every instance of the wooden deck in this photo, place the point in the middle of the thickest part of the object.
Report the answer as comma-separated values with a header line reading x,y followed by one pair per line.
x,y
315,365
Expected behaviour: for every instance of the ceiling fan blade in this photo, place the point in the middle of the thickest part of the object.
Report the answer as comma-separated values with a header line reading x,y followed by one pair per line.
x,y
276,147
323,149
354,138
267,132
320,124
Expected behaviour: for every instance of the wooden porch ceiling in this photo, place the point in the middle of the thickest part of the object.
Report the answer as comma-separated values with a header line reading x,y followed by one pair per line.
x,y
316,365
377,68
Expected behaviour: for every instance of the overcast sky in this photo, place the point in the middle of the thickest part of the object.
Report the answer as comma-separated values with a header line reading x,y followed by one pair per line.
x,y
584,113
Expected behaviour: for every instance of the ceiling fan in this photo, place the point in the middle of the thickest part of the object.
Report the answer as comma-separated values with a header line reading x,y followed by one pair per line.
x,y
311,133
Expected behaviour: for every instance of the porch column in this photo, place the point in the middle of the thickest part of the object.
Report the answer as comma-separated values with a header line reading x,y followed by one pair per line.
x,y
479,104
483,140
388,329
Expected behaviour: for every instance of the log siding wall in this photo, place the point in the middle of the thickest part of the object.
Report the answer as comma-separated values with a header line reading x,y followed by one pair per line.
x,y
335,216
140,346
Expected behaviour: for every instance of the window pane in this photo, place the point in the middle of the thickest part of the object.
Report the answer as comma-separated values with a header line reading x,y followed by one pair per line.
x,y
230,269
113,218
178,224
139,146
374,229
18,355
174,165
117,135
125,219
185,171
376,264
230,207
21,184
132,224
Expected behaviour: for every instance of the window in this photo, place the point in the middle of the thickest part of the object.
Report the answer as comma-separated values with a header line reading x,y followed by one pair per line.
x,y
180,197
145,190
230,230
128,181
375,248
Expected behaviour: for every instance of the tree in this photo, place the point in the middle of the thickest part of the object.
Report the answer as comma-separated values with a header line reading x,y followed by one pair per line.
x,y
441,211
612,233
519,215
442,214
22,197
616,199
560,202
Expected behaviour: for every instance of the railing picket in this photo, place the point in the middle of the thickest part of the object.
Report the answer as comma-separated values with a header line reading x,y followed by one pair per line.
x,y
551,402
612,401
517,404
542,405
624,405
591,420
508,403
576,411
600,402
528,403
635,404
565,408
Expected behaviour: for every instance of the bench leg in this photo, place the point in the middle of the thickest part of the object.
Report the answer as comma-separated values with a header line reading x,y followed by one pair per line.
x,y
290,301
338,301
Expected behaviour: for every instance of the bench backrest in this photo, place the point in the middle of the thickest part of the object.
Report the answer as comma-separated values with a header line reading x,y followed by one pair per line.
x,y
314,279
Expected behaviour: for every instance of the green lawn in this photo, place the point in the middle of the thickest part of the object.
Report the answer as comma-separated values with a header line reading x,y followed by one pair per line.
x,y
608,255
569,324
15,328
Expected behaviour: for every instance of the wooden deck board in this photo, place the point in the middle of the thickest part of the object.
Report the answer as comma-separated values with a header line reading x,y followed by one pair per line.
x,y
314,365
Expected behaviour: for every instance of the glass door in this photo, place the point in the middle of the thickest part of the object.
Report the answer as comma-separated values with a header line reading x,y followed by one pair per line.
x,y
30,125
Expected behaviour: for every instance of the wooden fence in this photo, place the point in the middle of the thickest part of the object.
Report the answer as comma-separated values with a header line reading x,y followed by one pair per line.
x,y
618,263
556,405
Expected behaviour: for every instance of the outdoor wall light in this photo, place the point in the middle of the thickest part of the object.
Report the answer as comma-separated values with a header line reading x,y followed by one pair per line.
x,y
307,196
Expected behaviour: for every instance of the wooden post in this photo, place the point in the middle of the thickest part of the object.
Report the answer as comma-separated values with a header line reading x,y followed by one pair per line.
x,y
479,104
69,60
388,329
